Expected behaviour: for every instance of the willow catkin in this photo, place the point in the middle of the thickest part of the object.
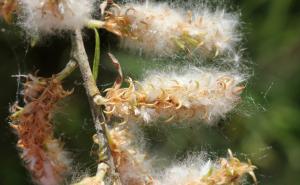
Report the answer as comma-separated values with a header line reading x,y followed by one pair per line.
x,y
160,30
193,95
198,171
130,162
42,153
134,169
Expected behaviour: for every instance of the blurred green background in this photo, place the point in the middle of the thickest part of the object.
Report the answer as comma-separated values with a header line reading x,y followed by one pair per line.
x,y
266,130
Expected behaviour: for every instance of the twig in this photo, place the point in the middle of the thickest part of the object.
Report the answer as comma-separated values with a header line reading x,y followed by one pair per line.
x,y
95,24
70,67
93,93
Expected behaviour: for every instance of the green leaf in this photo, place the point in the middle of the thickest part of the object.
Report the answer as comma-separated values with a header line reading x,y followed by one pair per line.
x,y
96,61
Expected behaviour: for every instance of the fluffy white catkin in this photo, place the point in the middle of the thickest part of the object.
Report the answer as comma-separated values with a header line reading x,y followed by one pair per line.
x,y
47,16
198,171
195,94
157,29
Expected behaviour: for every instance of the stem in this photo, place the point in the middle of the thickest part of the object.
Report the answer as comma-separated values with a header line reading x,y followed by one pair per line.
x,y
93,94
70,67
101,171
98,178
95,24
80,56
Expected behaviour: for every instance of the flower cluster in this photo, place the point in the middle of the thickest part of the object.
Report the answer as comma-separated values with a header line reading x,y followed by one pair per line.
x,y
42,153
191,94
195,94
158,29
135,169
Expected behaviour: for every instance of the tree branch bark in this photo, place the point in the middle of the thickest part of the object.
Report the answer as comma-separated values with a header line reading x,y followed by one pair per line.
x,y
94,97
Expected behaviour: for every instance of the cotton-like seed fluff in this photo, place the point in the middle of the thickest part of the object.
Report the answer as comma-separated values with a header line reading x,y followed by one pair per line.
x,y
192,95
158,29
197,171
130,162
47,16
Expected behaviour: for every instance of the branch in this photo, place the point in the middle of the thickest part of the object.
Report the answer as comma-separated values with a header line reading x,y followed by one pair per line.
x,y
94,96
80,55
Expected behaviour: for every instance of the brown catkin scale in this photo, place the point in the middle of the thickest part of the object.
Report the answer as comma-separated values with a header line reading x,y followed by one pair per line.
x,y
7,8
42,153
53,7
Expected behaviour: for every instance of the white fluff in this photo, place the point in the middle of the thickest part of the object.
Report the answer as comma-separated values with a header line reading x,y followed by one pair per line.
x,y
193,94
193,168
74,13
216,31
201,90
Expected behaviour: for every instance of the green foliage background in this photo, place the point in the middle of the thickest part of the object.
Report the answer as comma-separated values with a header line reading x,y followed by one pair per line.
x,y
267,130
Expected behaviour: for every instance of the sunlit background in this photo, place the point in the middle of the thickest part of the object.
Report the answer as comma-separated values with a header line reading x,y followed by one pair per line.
x,y
266,129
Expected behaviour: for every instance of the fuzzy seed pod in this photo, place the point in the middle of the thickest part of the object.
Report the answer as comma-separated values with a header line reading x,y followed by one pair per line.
x,y
160,30
193,95
43,154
